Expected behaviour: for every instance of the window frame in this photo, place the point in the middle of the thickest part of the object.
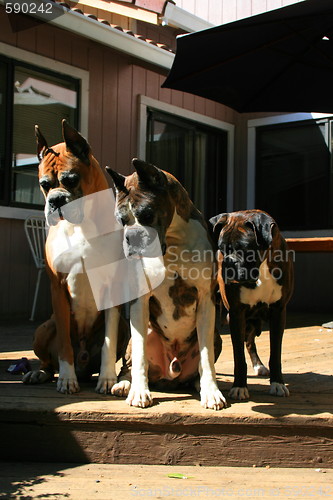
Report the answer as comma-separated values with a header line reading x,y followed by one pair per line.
x,y
14,56
145,103
252,154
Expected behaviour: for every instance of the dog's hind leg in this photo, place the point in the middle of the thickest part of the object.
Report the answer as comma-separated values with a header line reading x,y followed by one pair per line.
x,y
122,387
44,345
253,330
107,377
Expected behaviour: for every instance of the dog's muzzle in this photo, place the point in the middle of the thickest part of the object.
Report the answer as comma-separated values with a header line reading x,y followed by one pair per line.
x,y
60,205
237,270
142,241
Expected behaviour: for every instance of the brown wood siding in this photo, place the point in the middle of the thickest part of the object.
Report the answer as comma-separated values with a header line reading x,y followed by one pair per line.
x,y
19,274
116,81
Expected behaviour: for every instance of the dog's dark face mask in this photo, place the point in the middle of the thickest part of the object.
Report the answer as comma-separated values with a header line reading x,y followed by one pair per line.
x,y
144,209
241,259
243,243
63,197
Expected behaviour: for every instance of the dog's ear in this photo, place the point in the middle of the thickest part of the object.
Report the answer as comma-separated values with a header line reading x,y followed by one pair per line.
x,y
264,229
149,175
75,143
218,222
41,143
118,180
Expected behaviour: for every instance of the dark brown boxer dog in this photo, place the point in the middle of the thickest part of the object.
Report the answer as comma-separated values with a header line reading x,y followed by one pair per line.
x,y
255,274
179,314
68,174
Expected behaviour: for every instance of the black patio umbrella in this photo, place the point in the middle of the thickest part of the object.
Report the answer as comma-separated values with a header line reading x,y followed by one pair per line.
x,y
281,60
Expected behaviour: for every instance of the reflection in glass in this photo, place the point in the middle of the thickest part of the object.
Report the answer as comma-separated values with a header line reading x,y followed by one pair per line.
x,y
43,100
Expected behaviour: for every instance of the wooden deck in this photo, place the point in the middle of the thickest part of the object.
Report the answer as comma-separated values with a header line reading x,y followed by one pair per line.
x,y
38,424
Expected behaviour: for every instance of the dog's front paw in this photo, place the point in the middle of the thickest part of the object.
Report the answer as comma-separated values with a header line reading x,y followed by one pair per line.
x,y
67,385
261,371
105,383
212,399
37,377
121,388
67,381
139,397
239,393
277,389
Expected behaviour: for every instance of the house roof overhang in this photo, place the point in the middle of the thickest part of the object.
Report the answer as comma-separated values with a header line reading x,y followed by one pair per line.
x,y
88,26
98,31
149,11
157,6
155,11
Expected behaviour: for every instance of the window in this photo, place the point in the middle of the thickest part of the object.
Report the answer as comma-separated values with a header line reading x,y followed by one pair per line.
x,y
195,154
30,96
294,174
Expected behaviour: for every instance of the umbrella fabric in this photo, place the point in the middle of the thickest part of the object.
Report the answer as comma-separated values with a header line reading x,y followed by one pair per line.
x,y
281,60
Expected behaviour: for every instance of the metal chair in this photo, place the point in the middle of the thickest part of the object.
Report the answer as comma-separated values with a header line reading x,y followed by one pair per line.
x,y
35,230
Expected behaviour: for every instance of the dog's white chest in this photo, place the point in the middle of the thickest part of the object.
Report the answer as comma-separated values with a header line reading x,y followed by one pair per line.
x,y
176,321
188,269
68,250
267,290
69,253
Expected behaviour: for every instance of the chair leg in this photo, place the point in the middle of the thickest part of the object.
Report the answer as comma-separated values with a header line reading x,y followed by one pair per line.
x,y
36,294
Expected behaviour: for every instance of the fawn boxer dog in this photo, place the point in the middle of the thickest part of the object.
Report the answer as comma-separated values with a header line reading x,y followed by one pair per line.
x,y
255,274
179,314
68,172
87,360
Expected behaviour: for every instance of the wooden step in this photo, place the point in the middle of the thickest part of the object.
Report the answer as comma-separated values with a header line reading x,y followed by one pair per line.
x,y
38,424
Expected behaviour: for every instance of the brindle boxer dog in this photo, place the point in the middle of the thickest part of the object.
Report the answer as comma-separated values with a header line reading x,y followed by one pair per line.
x,y
178,315
67,173
255,274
